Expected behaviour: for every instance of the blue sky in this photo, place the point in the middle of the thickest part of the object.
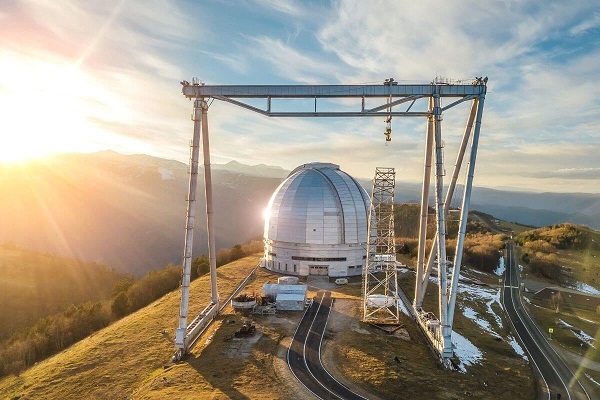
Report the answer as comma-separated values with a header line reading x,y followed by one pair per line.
x,y
84,76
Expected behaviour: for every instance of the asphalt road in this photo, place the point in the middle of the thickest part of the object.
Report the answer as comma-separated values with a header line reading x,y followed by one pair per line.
x,y
304,354
555,377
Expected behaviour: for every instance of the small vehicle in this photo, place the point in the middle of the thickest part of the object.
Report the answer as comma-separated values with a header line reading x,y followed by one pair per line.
x,y
341,281
246,330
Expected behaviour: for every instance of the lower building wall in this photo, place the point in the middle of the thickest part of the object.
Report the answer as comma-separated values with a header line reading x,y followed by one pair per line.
x,y
304,260
290,305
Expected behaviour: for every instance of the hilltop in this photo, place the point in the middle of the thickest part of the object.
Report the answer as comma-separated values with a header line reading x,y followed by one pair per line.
x,y
126,359
565,253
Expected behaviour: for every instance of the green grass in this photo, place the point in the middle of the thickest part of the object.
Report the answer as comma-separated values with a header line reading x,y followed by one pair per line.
x,y
35,285
581,259
581,319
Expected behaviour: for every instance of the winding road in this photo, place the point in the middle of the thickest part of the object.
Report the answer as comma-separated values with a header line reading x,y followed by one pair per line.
x,y
554,376
304,354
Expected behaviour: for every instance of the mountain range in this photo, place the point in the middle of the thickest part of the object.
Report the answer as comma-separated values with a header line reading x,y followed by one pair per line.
x,y
128,211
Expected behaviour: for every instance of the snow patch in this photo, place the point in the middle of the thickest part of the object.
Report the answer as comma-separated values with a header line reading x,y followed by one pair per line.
x,y
584,337
489,295
467,353
482,323
592,379
402,270
517,348
585,288
166,174
563,324
501,268
477,271
402,308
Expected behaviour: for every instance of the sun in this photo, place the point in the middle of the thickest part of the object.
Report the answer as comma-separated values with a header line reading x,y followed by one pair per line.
x,y
43,109
14,149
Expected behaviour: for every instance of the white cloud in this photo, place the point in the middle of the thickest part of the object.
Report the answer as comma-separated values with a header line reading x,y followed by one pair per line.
x,y
289,7
576,173
291,63
586,25
235,62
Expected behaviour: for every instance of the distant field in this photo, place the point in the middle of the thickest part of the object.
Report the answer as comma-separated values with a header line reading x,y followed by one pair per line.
x,y
563,338
500,225
579,265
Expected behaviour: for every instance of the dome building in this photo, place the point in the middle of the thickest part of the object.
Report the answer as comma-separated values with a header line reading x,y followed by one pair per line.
x,y
316,223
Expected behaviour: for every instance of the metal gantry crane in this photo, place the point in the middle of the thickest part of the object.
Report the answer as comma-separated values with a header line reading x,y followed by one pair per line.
x,y
390,94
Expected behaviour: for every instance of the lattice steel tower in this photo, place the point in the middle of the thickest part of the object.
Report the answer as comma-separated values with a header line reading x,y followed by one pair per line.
x,y
380,283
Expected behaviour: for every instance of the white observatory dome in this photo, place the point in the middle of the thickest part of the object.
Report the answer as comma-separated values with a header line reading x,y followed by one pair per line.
x,y
316,223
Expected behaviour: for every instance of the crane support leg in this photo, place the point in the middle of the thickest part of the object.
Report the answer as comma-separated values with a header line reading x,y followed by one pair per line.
x,y
427,267
419,285
210,226
464,211
185,335
180,333
439,331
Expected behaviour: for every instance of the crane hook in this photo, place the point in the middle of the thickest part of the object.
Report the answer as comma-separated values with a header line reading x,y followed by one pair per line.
x,y
388,129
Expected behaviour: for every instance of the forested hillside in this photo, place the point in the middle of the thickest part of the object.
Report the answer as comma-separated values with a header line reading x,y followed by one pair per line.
x,y
34,285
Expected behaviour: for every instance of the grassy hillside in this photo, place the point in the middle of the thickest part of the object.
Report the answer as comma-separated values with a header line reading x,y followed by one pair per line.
x,y
116,361
407,219
564,253
34,285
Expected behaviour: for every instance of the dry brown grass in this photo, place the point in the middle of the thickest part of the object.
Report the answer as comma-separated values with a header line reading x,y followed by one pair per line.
x,y
116,361
367,359
126,359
